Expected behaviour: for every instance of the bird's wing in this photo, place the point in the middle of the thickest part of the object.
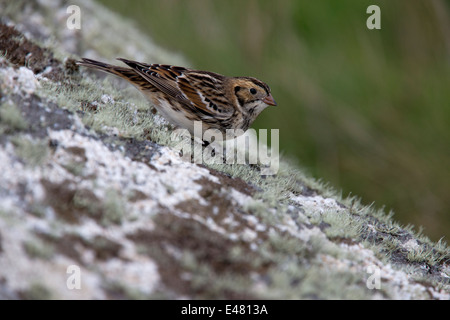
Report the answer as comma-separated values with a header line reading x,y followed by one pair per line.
x,y
200,91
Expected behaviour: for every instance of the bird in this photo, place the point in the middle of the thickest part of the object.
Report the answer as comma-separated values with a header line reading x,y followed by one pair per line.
x,y
183,95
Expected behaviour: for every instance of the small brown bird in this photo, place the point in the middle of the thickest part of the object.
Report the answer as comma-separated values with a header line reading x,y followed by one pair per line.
x,y
183,95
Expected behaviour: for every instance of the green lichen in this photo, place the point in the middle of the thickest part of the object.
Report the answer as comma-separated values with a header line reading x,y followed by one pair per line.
x,y
114,211
342,225
34,153
278,266
38,250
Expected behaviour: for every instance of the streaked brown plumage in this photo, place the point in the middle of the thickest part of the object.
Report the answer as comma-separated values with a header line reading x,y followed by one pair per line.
x,y
184,95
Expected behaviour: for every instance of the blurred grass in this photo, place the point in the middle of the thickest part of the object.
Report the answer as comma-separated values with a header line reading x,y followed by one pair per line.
x,y
368,110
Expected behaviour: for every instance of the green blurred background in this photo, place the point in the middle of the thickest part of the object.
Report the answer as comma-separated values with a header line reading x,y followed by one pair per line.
x,y
367,110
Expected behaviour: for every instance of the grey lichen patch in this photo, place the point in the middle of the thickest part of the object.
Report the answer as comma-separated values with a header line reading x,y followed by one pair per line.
x,y
36,291
175,238
226,182
33,153
67,245
72,203
38,114
136,195
20,51
73,245
110,193
78,152
277,189
69,203
11,118
38,250
425,254
104,248
218,203
317,283
136,150
282,243
107,112
13,8
259,209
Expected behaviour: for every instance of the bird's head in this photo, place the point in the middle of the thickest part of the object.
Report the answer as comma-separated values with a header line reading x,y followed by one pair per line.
x,y
252,95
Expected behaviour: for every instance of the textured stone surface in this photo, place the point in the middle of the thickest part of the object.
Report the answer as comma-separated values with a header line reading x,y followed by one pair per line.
x,y
89,179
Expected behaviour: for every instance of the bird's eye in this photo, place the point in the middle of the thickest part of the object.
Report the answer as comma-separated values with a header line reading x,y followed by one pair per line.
x,y
253,91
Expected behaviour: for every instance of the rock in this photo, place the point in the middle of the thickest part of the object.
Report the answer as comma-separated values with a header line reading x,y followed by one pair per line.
x,y
96,202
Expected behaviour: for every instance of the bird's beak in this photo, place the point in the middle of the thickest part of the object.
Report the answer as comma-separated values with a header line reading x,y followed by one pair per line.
x,y
269,100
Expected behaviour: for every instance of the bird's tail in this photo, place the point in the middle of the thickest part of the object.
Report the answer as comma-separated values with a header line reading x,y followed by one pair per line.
x,y
126,73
